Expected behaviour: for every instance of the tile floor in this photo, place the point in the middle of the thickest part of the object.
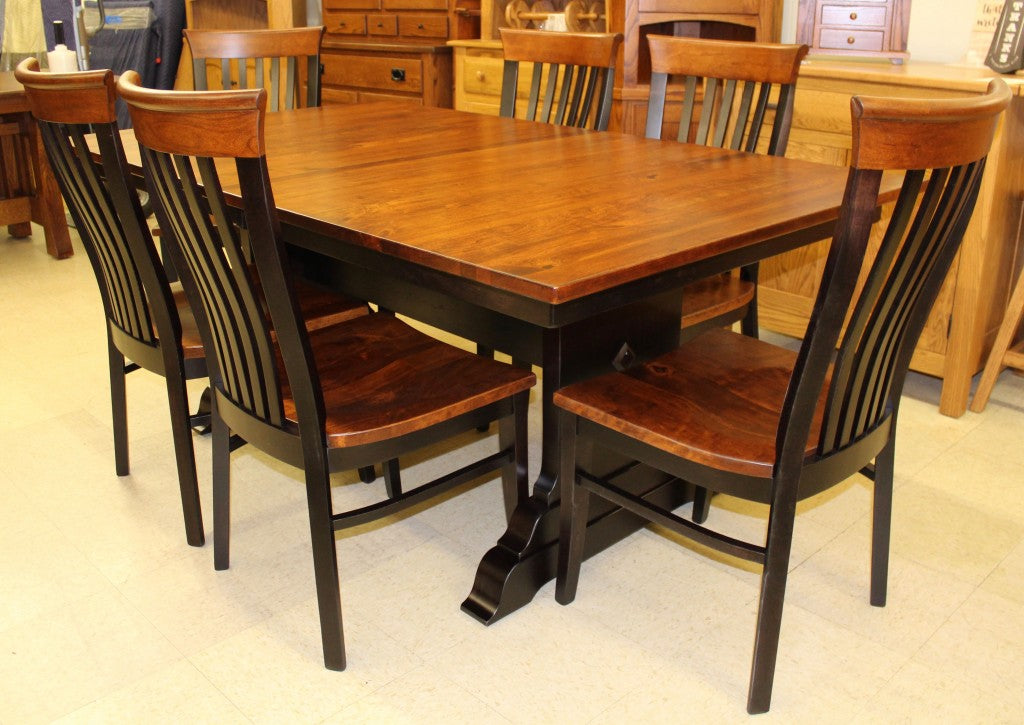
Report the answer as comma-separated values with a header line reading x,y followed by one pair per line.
x,y
106,615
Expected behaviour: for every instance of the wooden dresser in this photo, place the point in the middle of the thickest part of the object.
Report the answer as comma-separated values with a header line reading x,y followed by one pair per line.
x,y
963,324
393,49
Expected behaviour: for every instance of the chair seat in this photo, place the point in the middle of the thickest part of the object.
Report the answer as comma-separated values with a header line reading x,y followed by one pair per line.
x,y
382,379
715,296
715,400
320,308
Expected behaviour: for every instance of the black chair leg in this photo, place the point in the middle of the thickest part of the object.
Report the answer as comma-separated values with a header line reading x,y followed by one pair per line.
x,y
572,513
512,433
769,609
881,522
221,493
748,325
118,408
701,504
484,351
184,455
325,565
392,478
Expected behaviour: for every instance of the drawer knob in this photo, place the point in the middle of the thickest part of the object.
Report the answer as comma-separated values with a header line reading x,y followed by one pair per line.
x,y
480,75
851,40
342,24
398,75
420,26
853,16
380,25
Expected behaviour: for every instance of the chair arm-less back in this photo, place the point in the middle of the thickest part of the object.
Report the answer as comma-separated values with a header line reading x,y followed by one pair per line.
x,y
234,49
106,211
144,319
732,73
206,125
941,147
579,70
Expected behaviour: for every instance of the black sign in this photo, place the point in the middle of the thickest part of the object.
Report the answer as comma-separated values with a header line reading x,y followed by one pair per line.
x,y
1006,54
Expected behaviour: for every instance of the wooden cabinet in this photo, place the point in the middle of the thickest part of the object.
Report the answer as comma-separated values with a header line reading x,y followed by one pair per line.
x,y
966,316
478,62
857,27
360,72
393,49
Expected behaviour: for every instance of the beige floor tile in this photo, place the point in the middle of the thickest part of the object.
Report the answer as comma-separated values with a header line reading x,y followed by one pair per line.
x,y
273,672
420,697
943,533
918,694
175,694
983,641
1006,578
69,655
835,584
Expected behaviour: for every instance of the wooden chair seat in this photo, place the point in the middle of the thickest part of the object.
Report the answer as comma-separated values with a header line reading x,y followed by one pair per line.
x,y
714,297
320,308
383,379
716,400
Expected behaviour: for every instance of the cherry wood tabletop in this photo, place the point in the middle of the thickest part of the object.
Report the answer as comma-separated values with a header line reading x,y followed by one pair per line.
x,y
546,212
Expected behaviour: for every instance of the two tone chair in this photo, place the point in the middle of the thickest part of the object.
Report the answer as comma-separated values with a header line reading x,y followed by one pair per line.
x,y
150,324
336,398
738,415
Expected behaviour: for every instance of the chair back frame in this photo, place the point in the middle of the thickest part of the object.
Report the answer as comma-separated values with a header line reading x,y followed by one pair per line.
x,y
729,74
238,47
579,70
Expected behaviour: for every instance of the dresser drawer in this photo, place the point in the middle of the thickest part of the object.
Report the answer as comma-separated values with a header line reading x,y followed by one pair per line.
x,y
386,25
375,72
482,74
836,38
854,16
330,5
345,23
423,26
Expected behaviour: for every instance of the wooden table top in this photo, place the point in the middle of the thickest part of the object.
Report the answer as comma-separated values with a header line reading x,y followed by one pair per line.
x,y
12,94
548,213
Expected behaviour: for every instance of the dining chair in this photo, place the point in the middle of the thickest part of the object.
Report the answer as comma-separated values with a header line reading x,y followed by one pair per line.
x,y
749,419
337,398
143,310
575,71
732,92
254,59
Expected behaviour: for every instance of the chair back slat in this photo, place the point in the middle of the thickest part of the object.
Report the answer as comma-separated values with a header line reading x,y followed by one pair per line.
x,y
241,308
572,78
724,77
237,51
194,211
874,311
68,108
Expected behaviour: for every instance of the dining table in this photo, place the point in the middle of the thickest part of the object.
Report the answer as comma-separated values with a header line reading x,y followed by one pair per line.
x,y
566,249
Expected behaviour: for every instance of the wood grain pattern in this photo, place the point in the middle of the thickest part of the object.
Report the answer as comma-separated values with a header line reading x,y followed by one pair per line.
x,y
403,174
